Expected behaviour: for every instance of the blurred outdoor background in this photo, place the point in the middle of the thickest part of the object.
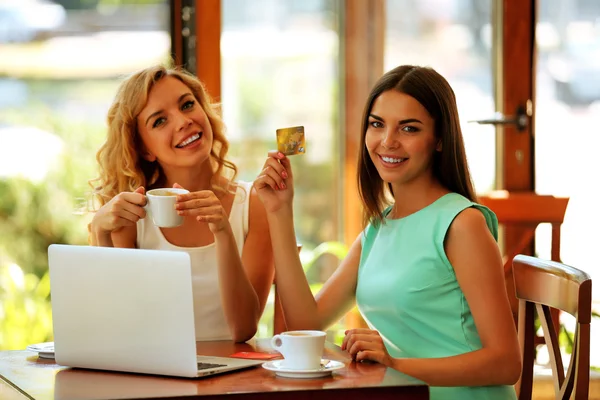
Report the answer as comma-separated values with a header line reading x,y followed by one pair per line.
x,y
61,62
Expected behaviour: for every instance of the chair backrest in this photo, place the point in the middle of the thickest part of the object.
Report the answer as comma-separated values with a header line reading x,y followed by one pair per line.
x,y
522,212
527,210
540,285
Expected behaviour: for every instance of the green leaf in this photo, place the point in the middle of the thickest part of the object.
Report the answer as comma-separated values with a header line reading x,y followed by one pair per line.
x,y
338,249
42,290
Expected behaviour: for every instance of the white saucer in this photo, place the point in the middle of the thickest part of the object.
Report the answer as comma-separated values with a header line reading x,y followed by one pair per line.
x,y
44,350
280,370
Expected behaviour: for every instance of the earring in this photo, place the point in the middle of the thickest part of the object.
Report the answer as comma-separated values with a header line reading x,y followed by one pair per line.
x,y
148,156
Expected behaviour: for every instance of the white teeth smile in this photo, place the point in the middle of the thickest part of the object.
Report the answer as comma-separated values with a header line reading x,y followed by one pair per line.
x,y
392,160
189,140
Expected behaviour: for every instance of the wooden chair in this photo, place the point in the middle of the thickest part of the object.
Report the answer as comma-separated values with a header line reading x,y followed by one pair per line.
x,y
525,211
540,285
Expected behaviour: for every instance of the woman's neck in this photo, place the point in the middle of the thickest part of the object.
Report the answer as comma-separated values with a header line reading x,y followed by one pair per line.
x,y
415,195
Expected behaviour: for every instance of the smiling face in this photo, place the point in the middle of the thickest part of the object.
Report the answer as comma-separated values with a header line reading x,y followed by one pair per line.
x,y
174,128
410,139
400,138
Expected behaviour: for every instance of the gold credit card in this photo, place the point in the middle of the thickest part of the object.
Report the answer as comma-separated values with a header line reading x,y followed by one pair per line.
x,y
291,141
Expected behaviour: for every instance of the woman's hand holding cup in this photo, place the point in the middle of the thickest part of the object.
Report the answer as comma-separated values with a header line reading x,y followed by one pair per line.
x,y
203,205
125,209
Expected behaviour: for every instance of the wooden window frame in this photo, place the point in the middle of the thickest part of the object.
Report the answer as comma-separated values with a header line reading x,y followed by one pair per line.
x,y
517,69
515,73
201,41
362,52
362,39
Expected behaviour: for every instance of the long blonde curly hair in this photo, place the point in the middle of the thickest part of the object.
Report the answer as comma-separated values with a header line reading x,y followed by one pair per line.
x,y
122,168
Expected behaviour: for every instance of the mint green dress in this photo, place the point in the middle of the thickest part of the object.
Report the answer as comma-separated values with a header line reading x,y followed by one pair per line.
x,y
407,290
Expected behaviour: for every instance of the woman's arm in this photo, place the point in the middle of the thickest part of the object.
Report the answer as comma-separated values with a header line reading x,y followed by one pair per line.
x,y
245,282
124,237
114,224
474,254
301,310
98,237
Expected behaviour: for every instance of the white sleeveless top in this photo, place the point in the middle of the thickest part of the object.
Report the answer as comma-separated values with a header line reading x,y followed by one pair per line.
x,y
208,310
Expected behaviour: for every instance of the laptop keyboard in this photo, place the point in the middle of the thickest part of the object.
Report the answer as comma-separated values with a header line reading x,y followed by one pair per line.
x,y
202,365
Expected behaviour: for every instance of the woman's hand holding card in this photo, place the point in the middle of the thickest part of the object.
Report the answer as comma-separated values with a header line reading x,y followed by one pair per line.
x,y
274,185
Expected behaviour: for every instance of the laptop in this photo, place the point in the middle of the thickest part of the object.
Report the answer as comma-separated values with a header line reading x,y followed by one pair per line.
x,y
127,310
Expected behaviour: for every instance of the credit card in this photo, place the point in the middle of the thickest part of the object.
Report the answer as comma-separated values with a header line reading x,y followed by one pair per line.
x,y
291,141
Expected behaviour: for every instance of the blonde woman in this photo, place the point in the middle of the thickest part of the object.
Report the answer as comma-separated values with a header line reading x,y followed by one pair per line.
x,y
164,131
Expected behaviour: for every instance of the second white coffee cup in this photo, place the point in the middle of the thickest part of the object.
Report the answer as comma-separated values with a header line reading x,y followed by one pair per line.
x,y
161,207
301,350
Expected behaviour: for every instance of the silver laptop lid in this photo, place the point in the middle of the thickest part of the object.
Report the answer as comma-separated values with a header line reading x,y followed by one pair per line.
x,y
123,309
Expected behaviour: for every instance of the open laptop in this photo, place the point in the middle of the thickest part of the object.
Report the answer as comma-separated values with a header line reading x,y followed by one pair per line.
x,y
127,310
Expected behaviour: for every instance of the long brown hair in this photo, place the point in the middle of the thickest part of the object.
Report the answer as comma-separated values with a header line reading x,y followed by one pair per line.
x,y
121,166
449,165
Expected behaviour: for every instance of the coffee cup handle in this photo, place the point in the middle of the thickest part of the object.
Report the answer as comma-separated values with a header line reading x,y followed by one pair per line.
x,y
276,342
146,206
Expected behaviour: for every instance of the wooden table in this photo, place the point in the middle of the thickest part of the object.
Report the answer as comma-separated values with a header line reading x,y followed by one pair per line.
x,y
25,376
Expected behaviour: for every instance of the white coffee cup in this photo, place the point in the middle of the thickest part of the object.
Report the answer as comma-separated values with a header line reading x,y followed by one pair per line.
x,y
161,207
301,350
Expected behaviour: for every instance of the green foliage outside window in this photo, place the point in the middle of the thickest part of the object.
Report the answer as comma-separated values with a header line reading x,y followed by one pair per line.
x,y
34,215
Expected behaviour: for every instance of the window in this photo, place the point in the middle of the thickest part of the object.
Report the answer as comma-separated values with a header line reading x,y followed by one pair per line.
x,y
454,38
60,67
280,68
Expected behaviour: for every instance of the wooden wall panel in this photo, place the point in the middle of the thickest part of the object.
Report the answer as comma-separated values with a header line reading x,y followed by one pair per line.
x,y
518,73
208,45
175,31
363,45
518,81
